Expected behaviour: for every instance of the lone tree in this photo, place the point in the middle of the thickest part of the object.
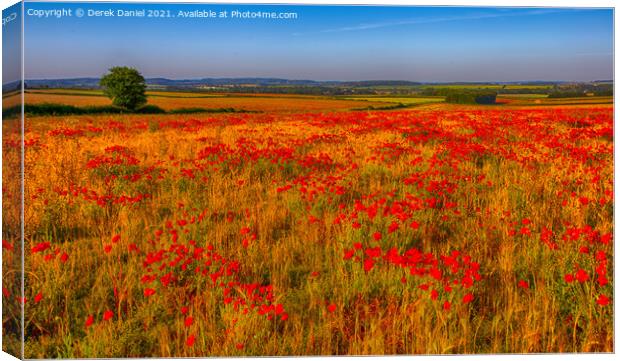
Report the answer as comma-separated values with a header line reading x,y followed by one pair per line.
x,y
125,86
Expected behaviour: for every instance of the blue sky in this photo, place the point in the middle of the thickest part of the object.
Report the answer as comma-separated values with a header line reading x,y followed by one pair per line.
x,y
328,43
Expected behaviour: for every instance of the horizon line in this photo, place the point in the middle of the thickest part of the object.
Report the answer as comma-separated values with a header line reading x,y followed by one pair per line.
x,y
330,80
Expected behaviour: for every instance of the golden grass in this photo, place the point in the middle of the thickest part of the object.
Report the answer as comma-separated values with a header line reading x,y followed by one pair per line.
x,y
11,100
169,101
400,99
529,101
280,194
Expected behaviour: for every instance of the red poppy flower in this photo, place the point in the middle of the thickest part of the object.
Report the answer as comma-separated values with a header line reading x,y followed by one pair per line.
x,y
108,315
149,292
468,298
368,264
190,340
376,236
373,252
7,245
582,276
606,238
188,321
279,309
89,321
331,308
435,273
40,247
38,297
603,300
523,284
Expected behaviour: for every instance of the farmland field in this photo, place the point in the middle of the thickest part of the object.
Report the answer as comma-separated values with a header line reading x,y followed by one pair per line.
x,y
11,99
400,100
489,86
434,230
536,99
176,100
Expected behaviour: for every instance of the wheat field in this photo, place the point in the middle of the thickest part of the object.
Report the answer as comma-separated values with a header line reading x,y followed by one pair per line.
x,y
438,230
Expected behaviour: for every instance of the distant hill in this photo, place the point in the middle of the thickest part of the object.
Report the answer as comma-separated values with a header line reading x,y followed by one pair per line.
x,y
62,83
271,82
331,88
215,82
12,86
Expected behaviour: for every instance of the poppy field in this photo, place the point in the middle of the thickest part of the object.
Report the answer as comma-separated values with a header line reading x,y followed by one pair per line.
x,y
454,230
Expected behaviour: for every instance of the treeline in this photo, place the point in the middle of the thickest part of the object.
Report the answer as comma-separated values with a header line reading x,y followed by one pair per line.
x,y
303,90
582,90
51,109
463,96
566,90
580,93
310,90
471,97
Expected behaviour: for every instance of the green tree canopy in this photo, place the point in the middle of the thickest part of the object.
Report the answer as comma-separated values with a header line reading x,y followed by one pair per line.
x,y
125,86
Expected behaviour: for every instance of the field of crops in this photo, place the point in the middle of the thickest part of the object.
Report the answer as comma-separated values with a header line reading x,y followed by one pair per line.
x,y
172,100
537,99
11,99
488,86
400,100
429,231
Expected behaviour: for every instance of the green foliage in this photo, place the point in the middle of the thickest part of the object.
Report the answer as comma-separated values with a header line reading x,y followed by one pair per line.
x,y
578,94
12,112
125,86
150,109
63,109
471,97
582,90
